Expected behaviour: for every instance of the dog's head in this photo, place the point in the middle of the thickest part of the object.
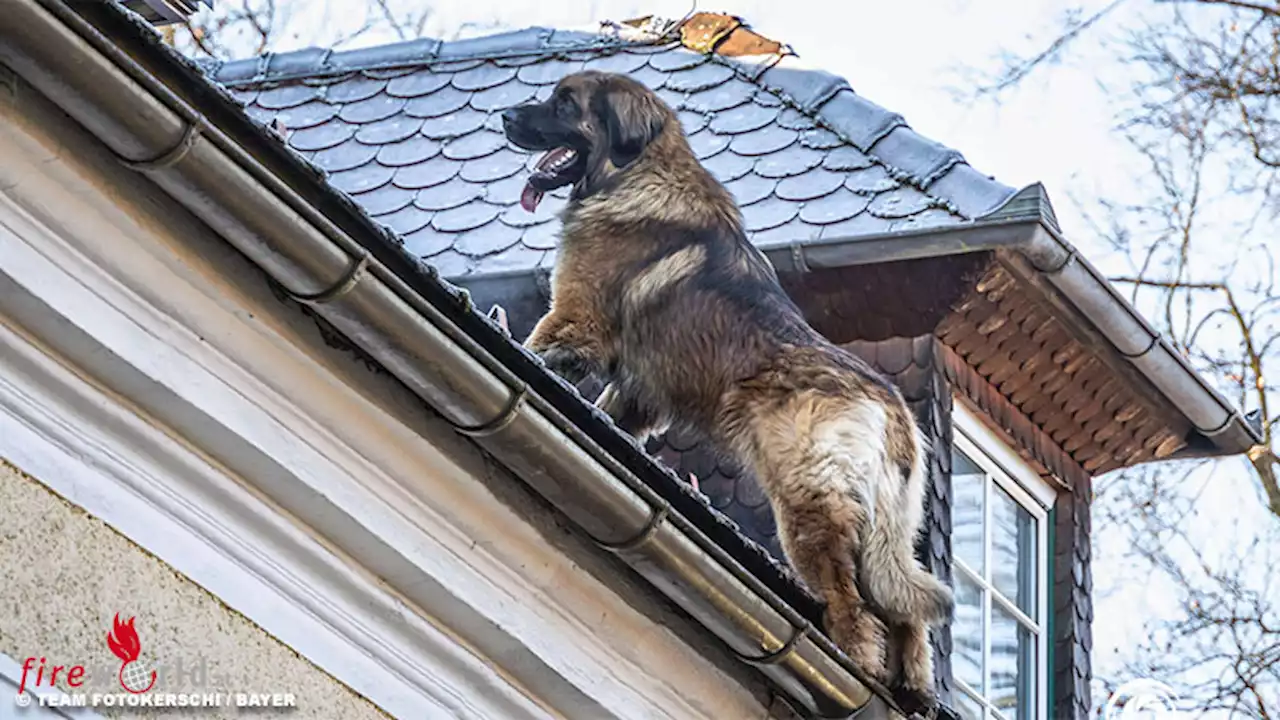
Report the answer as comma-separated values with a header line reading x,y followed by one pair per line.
x,y
593,126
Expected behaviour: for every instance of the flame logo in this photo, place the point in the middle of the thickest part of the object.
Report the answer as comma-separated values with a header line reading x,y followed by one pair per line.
x,y
1142,698
124,643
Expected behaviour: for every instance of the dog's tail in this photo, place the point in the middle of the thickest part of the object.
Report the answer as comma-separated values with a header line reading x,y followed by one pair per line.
x,y
890,573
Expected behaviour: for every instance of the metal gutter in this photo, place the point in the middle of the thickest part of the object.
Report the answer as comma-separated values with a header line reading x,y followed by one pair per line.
x,y
1025,224
152,129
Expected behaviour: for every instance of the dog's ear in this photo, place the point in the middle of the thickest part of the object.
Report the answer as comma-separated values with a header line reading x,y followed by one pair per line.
x,y
632,118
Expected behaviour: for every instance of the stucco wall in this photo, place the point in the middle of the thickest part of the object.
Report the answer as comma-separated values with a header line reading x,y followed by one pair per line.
x,y
63,576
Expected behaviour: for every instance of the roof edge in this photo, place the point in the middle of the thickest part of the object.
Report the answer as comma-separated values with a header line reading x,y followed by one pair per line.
x,y
1027,224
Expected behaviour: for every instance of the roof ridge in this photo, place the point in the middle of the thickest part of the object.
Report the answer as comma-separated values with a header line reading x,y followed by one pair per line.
x,y
810,91
317,62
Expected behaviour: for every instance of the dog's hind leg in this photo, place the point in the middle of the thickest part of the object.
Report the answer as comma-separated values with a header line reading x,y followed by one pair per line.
x,y
819,528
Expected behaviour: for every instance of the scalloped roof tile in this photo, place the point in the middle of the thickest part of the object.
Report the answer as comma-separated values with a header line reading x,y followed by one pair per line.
x,y
412,128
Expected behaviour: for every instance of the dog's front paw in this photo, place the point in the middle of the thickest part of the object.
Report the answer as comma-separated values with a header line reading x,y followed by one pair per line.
x,y
566,362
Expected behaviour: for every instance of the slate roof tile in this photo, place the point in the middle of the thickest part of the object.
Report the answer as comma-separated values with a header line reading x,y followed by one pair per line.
x,y
344,156
751,188
369,176
388,130
436,171
287,96
413,130
378,107
422,82
386,199
839,205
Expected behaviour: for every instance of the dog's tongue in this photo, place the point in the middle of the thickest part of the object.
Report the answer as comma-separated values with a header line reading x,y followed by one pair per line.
x,y
531,195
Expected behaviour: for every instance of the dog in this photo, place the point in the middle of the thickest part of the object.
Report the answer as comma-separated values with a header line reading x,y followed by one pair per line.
x,y
657,291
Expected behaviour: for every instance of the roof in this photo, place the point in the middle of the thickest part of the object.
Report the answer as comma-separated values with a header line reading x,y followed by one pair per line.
x,y
412,132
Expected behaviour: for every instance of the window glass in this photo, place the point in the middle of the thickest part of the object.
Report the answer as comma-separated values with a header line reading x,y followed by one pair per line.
x,y
996,633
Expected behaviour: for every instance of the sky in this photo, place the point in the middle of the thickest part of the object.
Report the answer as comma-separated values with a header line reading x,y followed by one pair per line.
x,y
917,58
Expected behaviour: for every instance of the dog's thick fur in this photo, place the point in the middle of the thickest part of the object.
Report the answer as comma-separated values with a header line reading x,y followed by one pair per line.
x,y
657,290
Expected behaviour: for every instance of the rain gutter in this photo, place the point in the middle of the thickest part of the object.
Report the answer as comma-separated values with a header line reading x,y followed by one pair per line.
x,y
1024,225
147,123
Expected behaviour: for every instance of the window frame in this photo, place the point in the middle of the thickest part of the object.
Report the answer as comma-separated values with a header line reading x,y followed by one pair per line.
x,y
994,456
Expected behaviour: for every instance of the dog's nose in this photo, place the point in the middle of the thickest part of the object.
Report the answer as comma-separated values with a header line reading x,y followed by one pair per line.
x,y
509,117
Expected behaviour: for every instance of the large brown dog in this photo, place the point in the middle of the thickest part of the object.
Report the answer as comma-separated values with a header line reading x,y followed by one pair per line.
x,y
657,290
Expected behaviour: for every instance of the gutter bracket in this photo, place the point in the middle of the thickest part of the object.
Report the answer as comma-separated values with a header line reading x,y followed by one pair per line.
x,y
645,535
168,158
503,419
350,277
798,261
773,658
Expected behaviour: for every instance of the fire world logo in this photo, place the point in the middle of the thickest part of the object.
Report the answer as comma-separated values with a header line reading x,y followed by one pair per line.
x,y
123,641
